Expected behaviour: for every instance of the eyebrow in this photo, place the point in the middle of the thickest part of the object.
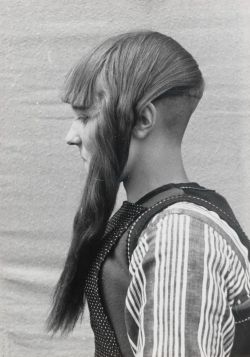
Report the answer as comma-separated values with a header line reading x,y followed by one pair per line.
x,y
74,107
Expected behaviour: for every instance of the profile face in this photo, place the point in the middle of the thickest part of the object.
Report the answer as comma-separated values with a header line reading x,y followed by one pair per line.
x,y
81,134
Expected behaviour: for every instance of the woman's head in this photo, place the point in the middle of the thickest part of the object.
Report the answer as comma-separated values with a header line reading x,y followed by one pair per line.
x,y
121,76
109,90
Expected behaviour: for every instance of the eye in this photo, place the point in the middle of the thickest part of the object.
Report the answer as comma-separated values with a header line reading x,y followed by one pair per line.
x,y
83,118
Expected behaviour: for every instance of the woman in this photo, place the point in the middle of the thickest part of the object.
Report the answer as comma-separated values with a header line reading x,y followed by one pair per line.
x,y
174,295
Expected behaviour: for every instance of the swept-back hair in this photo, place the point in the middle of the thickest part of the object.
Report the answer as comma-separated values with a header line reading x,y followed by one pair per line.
x,y
116,81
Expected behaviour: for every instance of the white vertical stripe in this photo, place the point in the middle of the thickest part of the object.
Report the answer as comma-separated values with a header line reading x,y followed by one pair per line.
x,y
178,292
184,286
220,247
204,294
156,293
141,330
166,281
171,287
209,294
212,266
162,257
214,303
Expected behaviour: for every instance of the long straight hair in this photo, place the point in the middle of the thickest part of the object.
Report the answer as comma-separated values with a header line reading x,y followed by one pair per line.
x,y
117,79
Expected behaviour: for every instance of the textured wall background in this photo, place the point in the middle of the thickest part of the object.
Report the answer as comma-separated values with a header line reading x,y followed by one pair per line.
x,y
41,178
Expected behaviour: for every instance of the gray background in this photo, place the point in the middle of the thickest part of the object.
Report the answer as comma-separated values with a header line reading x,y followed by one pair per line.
x,y
41,178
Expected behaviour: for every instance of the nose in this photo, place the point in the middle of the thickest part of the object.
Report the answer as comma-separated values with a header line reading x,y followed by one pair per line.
x,y
72,138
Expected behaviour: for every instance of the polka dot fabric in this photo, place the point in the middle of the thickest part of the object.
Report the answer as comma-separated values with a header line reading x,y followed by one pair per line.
x,y
105,340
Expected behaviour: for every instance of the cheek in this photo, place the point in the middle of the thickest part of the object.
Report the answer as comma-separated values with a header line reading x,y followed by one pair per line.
x,y
88,138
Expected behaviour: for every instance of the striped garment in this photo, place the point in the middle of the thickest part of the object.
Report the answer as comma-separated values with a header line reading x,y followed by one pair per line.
x,y
187,271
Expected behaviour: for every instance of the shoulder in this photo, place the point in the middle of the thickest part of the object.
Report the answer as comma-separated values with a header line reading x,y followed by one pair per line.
x,y
197,244
199,225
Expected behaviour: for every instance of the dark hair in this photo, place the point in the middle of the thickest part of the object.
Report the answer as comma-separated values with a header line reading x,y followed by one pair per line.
x,y
132,70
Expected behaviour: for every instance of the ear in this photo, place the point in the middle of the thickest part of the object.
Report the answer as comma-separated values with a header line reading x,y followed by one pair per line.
x,y
145,123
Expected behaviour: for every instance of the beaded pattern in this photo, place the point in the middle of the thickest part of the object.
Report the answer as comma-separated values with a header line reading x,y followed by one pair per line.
x,y
105,340
241,321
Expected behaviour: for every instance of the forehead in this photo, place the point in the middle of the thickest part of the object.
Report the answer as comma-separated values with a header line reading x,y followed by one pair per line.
x,y
98,94
101,86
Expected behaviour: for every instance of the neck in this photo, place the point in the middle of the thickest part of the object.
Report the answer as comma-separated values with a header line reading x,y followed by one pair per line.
x,y
152,172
